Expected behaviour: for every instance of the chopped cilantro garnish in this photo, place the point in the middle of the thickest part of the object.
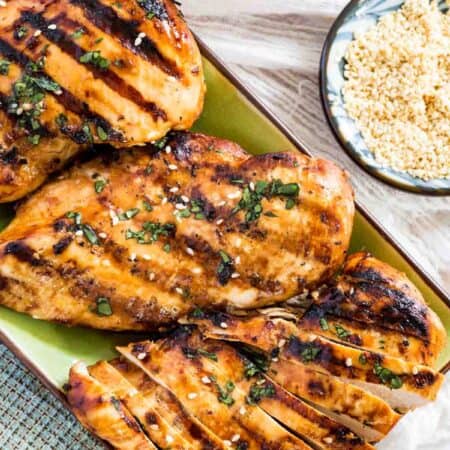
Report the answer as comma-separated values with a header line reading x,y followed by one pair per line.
x,y
34,139
324,324
151,231
103,306
4,66
167,248
252,196
75,216
259,391
225,393
387,377
128,214
225,268
341,332
20,32
161,143
78,33
362,359
99,185
251,369
310,352
147,206
95,58
102,134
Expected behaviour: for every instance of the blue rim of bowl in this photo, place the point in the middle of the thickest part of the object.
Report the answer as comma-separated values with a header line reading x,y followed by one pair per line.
x,y
390,176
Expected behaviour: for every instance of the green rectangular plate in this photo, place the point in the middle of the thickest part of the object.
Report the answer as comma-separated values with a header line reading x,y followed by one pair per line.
x,y
230,112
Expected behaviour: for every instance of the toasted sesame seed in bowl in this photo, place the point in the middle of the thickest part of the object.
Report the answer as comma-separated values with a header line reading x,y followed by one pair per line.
x,y
385,85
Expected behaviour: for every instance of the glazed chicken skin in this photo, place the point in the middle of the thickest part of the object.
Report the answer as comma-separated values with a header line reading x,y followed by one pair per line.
x,y
137,241
78,72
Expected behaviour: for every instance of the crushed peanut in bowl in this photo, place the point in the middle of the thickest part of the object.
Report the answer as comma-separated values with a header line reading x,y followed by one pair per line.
x,y
397,89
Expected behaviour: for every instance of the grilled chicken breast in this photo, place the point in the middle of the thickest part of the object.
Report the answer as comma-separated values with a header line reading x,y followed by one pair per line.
x,y
138,240
373,306
77,72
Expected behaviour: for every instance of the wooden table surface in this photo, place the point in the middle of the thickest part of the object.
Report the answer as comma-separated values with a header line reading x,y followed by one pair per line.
x,y
274,47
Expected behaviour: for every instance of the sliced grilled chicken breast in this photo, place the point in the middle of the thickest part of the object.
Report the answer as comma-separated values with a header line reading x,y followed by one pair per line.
x,y
157,410
402,384
374,306
137,243
102,413
209,393
75,72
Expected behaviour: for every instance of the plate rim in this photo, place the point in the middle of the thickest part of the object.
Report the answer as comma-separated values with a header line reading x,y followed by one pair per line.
x,y
323,77
256,102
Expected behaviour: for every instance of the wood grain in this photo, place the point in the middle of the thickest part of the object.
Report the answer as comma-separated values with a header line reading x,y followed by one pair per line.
x,y
274,47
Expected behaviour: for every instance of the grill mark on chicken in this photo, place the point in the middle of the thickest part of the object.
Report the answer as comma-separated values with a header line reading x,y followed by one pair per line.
x,y
403,313
22,252
117,84
66,99
105,18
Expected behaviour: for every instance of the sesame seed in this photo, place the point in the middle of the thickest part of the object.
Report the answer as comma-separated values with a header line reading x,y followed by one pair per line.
x,y
251,186
235,275
197,270
114,221
180,206
184,198
106,262
218,222
79,233
172,167
227,443
141,356
102,235
174,189
52,26
233,195
151,276
58,92
242,410
348,362
222,203
237,260
146,257
133,257
192,395
223,325
238,242
37,33
206,380
19,111
138,42
235,437
141,35
154,426
168,149
169,439
164,201
415,370
189,251
328,440
281,343
275,359
179,290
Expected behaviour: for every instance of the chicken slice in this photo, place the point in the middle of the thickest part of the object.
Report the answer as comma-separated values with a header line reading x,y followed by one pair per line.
x,y
209,394
373,306
102,413
76,72
158,411
137,243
